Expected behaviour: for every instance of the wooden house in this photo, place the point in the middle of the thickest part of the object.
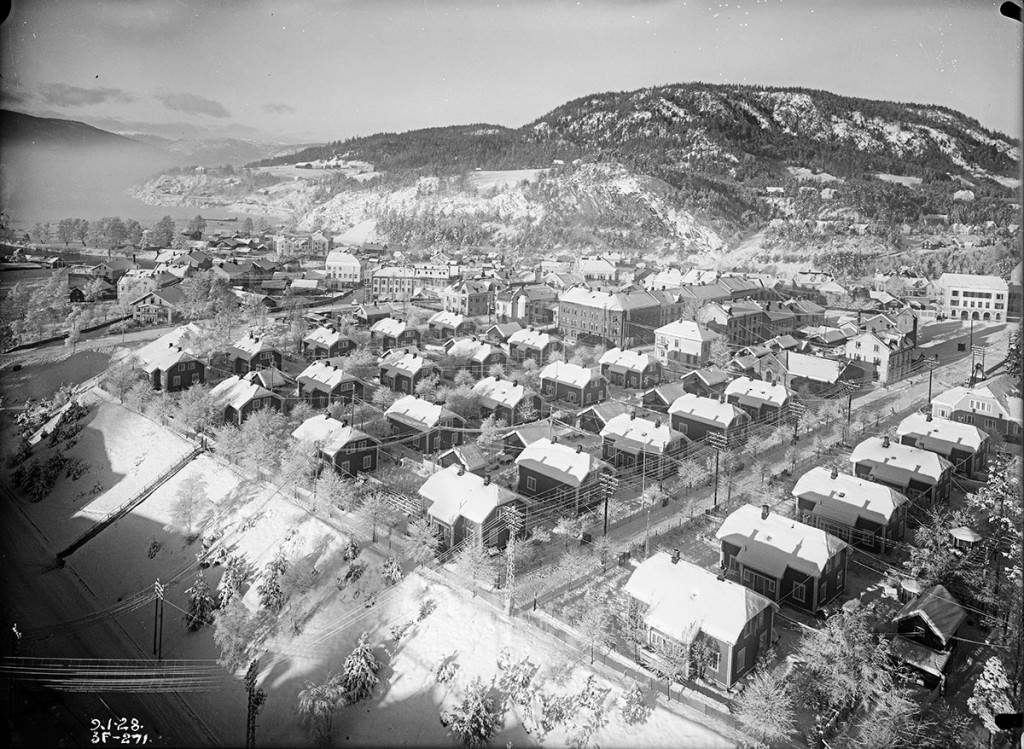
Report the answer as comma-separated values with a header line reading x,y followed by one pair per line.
x,y
762,401
173,369
424,426
697,417
923,476
633,444
579,386
346,449
788,561
506,400
401,372
236,398
561,477
390,333
326,341
323,383
963,445
253,352
465,507
630,369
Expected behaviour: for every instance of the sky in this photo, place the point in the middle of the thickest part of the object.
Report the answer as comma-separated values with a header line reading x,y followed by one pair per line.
x,y
308,71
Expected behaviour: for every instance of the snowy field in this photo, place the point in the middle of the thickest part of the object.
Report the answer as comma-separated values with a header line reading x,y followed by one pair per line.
x,y
485,180
405,709
804,174
899,179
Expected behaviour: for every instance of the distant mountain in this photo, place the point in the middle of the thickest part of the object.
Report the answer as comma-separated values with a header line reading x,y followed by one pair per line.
x,y
673,170
216,151
52,168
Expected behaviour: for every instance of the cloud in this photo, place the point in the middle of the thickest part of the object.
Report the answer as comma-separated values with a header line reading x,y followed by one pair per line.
x,y
11,97
279,108
193,104
63,95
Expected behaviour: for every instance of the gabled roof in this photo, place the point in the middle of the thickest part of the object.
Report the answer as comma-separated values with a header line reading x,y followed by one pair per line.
x,y
635,361
504,330
164,360
816,368
757,392
331,434
388,326
999,389
846,498
684,599
447,319
956,280
528,433
250,346
637,434
939,611
706,410
499,392
269,377
898,464
470,455
776,542
236,392
323,336
418,413
569,374
468,495
667,392
710,376
559,461
173,337
411,364
605,411
531,338
687,329
941,435
324,373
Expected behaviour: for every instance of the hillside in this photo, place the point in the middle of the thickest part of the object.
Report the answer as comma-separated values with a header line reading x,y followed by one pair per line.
x,y
688,168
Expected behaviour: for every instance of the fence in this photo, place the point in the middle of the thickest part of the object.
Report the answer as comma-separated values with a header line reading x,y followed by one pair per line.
x,y
683,694
128,506
63,336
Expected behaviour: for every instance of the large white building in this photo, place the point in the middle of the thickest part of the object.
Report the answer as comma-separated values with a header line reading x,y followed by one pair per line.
x,y
343,268
969,297
683,344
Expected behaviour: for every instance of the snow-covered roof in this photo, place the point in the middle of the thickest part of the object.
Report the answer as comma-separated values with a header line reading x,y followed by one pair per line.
x,y
417,412
494,392
251,345
637,434
816,368
331,435
167,358
757,392
684,599
776,542
846,498
627,359
961,280
323,336
340,257
388,326
269,377
173,337
687,329
410,363
941,435
529,337
447,319
998,391
569,374
898,464
706,410
322,372
468,495
565,463
236,392
938,609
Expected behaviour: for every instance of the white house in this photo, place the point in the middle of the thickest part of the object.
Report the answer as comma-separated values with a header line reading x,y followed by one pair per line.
x,y
683,344
343,268
970,297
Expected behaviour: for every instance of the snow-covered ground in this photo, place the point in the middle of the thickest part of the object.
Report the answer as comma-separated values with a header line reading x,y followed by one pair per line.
x,y
804,174
899,179
405,709
485,180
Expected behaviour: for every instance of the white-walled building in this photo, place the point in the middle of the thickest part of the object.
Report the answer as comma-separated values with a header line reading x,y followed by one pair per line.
x,y
343,268
970,297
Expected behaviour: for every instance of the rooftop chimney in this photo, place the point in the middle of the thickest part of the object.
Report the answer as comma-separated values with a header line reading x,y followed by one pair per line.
x,y
462,469
632,414
764,512
885,441
675,556
487,479
344,422
835,473
170,344
579,449
928,417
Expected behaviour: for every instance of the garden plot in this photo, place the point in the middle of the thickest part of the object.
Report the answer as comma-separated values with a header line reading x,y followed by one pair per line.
x,y
122,452
404,710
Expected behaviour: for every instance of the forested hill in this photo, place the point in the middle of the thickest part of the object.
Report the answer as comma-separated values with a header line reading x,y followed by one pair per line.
x,y
733,132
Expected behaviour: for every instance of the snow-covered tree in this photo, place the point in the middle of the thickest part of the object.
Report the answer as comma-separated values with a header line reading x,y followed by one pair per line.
x,y
359,672
201,603
634,705
392,570
766,708
991,695
235,632
423,541
191,503
317,703
477,718
271,594
491,432
599,622
473,564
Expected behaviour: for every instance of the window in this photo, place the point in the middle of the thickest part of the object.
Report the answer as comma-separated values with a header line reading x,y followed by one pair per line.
x,y
195,378
531,483
741,659
176,381
799,592
716,661
771,587
367,462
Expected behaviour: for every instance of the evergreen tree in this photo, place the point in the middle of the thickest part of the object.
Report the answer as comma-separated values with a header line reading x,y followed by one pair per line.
x,y
766,708
476,719
359,672
423,541
634,706
201,603
317,703
473,564
271,594
991,695
235,631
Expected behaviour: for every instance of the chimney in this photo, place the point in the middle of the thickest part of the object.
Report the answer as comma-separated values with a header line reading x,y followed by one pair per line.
x,y
885,441
675,556
344,422
170,344
487,479
764,512
632,414
462,469
579,449
928,417
835,473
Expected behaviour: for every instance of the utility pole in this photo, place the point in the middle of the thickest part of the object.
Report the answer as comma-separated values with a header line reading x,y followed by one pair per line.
x,y
15,642
158,620
256,698
931,364
610,484
514,522
718,441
